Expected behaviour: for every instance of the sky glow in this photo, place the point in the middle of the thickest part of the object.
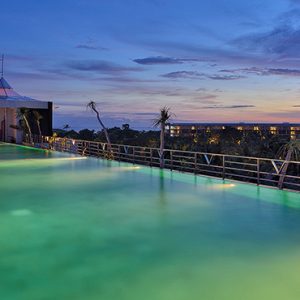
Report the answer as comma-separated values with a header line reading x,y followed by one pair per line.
x,y
210,61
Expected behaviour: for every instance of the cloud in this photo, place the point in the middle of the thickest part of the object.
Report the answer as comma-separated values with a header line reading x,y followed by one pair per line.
x,y
99,66
183,74
225,77
126,79
90,47
286,72
283,41
252,70
265,71
228,106
197,75
296,105
161,60
206,97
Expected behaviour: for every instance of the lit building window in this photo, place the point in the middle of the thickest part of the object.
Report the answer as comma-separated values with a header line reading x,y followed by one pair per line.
x,y
213,140
293,135
273,130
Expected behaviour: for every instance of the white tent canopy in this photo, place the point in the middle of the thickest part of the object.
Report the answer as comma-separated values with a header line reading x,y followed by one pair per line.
x,y
11,99
10,102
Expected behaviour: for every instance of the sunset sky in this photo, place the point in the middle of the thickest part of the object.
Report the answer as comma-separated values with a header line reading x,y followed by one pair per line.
x,y
209,60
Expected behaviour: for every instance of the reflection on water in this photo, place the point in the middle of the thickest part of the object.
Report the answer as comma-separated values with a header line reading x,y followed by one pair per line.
x,y
162,192
95,229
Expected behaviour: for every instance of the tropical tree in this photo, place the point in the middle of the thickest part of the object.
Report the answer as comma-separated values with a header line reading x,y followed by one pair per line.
x,y
161,121
289,152
23,114
66,127
93,106
38,117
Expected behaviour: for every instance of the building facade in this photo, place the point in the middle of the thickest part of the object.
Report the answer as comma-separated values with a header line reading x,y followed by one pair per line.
x,y
287,130
10,103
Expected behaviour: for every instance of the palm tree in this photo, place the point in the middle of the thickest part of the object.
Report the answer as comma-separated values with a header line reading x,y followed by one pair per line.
x,y
289,151
161,121
93,106
23,114
38,117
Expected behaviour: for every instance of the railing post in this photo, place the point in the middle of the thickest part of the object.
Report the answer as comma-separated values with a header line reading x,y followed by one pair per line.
x,y
133,153
223,167
151,157
179,158
258,170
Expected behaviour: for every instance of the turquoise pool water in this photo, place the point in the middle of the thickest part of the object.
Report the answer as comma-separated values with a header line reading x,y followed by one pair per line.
x,y
74,228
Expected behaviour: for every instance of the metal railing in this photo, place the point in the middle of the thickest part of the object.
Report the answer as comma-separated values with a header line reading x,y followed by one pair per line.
x,y
260,171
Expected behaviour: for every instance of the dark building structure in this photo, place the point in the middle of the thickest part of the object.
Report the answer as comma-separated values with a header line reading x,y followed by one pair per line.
x,y
290,131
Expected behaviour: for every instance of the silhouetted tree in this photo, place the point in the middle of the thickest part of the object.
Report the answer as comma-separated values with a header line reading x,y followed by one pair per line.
x,y
93,106
23,114
161,121
38,117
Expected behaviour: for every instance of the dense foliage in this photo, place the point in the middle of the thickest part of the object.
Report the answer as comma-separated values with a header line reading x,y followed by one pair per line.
x,y
228,141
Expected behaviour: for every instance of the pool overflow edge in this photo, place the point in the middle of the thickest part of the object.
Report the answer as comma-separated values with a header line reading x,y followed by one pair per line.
x,y
255,170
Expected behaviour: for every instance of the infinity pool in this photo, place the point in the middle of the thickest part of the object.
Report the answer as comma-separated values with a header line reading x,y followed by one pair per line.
x,y
75,228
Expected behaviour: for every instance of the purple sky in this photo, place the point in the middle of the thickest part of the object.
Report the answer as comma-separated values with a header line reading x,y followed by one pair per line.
x,y
210,61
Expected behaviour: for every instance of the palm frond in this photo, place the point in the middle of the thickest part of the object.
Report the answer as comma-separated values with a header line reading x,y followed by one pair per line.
x,y
23,112
37,115
293,146
164,116
92,105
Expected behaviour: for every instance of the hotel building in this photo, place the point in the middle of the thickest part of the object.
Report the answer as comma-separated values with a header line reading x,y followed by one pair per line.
x,y
287,130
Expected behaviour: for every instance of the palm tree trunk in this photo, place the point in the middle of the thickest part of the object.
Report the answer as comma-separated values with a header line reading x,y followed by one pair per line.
x,y
29,129
162,145
284,169
39,127
104,129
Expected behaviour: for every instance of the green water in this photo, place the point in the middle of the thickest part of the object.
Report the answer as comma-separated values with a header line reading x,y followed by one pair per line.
x,y
91,229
